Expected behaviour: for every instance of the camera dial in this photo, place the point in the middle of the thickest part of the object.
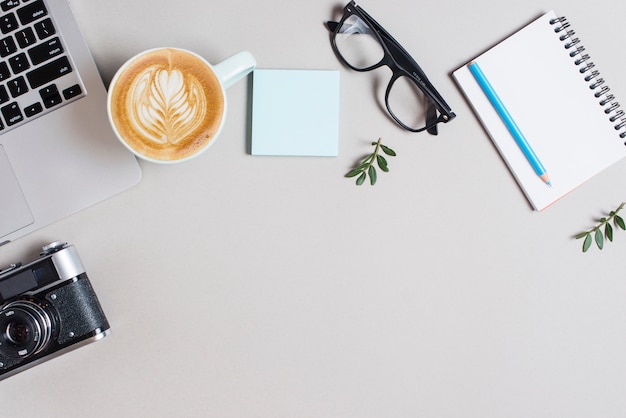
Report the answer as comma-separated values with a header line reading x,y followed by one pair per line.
x,y
25,329
53,247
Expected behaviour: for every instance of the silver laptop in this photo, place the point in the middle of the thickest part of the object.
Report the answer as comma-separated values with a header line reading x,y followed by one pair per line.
x,y
58,154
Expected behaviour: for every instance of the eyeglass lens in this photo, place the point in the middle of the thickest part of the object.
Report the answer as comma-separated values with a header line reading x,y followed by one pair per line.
x,y
357,43
361,49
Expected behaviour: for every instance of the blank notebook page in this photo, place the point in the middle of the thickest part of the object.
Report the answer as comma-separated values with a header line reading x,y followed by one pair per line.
x,y
545,92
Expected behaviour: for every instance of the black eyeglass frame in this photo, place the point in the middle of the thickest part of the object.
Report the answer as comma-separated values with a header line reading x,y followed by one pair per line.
x,y
401,64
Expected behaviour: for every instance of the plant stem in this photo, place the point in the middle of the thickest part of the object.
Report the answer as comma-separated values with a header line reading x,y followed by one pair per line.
x,y
367,166
596,233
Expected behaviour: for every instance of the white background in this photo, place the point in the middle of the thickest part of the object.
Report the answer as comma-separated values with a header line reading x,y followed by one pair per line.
x,y
241,286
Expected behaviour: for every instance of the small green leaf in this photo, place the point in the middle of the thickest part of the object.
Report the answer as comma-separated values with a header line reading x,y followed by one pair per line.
x,y
354,172
582,235
608,232
361,179
599,239
388,150
382,163
372,174
587,243
619,221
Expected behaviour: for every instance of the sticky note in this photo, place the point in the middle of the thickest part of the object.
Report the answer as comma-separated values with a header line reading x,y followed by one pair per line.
x,y
295,113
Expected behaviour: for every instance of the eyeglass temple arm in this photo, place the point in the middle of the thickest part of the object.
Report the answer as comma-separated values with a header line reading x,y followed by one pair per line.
x,y
404,58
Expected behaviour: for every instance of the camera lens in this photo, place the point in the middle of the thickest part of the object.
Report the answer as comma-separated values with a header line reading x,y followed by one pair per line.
x,y
18,332
25,329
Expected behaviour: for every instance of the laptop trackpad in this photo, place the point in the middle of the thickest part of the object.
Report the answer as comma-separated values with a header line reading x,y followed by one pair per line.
x,y
14,211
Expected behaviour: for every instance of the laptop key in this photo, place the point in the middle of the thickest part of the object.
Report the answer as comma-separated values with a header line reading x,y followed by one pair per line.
x,y
4,94
31,12
25,37
8,23
48,91
12,113
9,4
45,28
19,63
4,71
17,86
7,46
33,109
49,72
45,51
72,91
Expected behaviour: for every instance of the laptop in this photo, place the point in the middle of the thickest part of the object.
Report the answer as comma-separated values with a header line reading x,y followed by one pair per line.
x,y
58,153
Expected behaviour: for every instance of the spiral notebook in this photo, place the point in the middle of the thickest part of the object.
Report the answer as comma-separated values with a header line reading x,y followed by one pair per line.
x,y
557,97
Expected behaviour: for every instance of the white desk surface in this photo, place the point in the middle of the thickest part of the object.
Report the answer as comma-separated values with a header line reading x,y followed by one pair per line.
x,y
241,286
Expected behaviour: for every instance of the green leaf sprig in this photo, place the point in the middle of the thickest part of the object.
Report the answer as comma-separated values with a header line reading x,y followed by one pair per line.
x,y
367,168
603,229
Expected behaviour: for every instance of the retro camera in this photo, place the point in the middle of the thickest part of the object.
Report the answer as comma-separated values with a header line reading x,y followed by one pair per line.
x,y
47,308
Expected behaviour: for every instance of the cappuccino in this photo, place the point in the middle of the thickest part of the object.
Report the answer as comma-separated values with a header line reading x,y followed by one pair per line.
x,y
166,104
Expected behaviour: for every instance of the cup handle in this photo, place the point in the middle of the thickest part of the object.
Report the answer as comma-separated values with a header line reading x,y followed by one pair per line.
x,y
234,68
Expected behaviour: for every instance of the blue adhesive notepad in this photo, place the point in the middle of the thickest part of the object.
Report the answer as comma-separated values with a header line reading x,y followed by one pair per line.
x,y
295,113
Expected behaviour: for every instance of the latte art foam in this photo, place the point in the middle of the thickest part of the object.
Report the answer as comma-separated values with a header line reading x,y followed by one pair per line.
x,y
167,104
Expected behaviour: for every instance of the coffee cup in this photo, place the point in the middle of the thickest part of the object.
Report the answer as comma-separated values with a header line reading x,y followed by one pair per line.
x,y
168,105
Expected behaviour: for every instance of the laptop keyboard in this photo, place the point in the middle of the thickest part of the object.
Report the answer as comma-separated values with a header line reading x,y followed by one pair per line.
x,y
36,72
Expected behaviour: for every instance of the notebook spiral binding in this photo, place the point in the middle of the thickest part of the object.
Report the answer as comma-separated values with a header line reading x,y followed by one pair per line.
x,y
591,76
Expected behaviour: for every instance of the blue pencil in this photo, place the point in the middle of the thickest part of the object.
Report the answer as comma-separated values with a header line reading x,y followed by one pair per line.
x,y
508,121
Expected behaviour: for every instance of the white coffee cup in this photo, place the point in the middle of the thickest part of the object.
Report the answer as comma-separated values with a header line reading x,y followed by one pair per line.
x,y
169,105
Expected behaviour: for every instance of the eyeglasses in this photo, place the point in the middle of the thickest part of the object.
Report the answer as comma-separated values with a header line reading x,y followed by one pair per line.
x,y
363,45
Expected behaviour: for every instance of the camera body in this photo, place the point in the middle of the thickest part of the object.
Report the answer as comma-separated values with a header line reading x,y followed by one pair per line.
x,y
47,308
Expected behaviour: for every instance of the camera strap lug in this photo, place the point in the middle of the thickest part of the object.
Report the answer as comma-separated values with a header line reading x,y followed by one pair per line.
x,y
11,267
